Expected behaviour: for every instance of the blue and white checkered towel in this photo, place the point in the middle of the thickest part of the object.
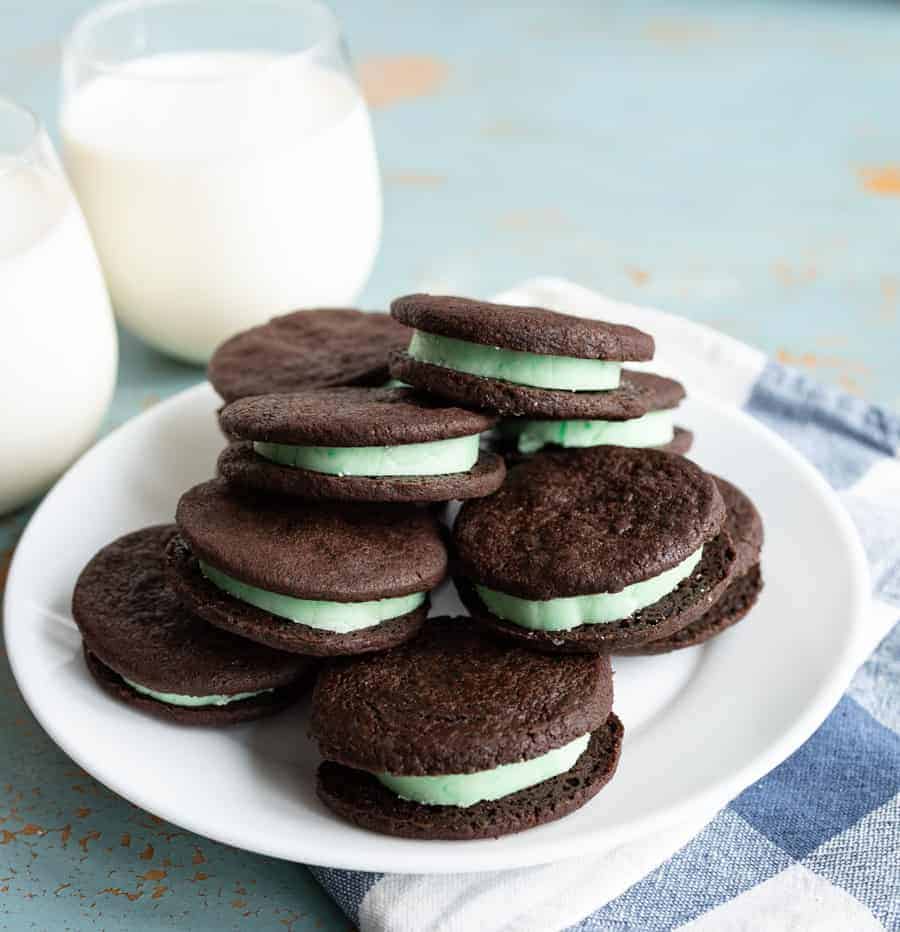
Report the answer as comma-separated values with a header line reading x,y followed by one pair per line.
x,y
815,844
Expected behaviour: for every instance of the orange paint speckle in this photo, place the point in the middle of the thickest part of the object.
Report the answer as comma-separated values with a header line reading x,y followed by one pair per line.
x,y
117,891
82,813
883,180
238,904
199,857
125,840
87,839
147,853
154,875
638,276
790,275
199,876
389,79
158,892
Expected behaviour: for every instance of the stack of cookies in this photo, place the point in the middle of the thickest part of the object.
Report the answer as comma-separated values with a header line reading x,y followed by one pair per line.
x,y
583,533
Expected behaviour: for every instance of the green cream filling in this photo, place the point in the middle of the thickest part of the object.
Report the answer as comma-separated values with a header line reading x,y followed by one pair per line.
x,y
651,430
436,458
539,371
192,702
466,789
339,617
567,613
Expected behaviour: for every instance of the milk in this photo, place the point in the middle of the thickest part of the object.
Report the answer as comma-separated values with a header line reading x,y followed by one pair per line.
x,y
57,339
222,188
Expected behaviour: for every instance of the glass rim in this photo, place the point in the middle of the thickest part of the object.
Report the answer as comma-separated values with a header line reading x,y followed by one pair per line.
x,y
24,154
74,43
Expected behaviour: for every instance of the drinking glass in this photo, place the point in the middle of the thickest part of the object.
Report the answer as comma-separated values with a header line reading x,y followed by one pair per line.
x,y
58,349
224,159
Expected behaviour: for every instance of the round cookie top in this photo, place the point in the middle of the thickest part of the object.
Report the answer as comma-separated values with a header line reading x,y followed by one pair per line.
x,y
743,524
525,329
315,348
351,417
339,552
456,701
131,619
579,522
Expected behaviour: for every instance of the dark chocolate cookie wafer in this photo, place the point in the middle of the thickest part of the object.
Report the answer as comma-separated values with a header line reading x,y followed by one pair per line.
x,y
745,527
311,577
314,348
622,527
681,443
144,648
635,396
359,444
456,704
524,329
358,797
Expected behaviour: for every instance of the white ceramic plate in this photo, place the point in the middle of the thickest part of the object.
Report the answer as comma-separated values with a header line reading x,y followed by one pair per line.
x,y
700,724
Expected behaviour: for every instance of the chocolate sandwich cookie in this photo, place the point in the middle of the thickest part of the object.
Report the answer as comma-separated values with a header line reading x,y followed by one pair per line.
x,y
745,527
519,437
145,649
457,736
307,577
359,444
594,550
522,361
315,348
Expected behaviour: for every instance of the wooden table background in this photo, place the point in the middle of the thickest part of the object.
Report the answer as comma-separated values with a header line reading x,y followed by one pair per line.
x,y
736,162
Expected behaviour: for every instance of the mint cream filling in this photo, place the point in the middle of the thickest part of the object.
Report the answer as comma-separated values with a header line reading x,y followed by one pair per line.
x,y
435,458
192,702
340,617
570,612
466,789
652,430
561,372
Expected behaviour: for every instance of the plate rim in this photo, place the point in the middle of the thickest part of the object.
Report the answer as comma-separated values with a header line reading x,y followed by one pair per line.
x,y
702,804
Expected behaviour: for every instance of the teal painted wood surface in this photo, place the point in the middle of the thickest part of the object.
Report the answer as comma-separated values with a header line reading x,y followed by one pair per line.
x,y
736,162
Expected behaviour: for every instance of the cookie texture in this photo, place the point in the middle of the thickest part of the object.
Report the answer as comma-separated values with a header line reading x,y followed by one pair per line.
x,y
455,701
341,552
241,466
244,710
314,348
359,798
350,417
638,393
744,524
133,623
525,329
681,443
221,610
684,605
735,603
578,522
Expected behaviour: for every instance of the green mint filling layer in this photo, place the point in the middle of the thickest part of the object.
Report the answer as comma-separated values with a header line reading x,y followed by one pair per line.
x,y
567,613
561,372
436,458
192,702
340,617
651,430
466,789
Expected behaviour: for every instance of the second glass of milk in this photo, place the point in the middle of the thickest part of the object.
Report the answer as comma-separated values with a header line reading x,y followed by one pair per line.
x,y
223,156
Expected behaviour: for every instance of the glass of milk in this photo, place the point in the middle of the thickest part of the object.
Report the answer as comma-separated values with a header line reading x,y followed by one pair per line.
x,y
223,156
58,349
